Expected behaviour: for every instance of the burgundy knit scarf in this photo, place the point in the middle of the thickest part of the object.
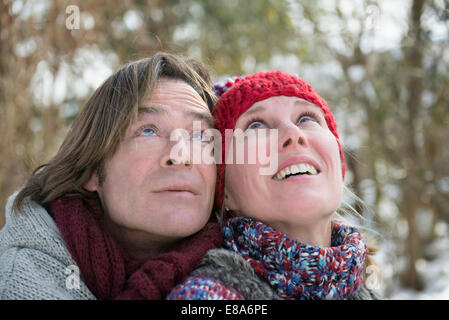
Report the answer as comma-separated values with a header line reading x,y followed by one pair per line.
x,y
112,274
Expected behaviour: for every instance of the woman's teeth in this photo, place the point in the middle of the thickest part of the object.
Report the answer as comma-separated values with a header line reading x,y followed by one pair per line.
x,y
302,168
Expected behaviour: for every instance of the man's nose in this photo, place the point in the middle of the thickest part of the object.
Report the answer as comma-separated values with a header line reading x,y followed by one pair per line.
x,y
178,154
172,162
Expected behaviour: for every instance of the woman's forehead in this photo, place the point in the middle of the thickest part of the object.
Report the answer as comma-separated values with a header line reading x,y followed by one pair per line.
x,y
267,104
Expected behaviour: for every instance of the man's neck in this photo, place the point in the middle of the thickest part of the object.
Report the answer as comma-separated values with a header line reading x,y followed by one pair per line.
x,y
139,244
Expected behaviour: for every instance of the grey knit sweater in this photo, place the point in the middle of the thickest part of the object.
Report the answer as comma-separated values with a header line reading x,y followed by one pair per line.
x,y
34,261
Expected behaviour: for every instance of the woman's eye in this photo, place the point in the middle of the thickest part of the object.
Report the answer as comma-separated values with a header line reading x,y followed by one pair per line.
x,y
307,118
256,125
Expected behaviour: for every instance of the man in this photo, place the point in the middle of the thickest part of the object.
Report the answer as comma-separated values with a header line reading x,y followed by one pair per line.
x,y
113,215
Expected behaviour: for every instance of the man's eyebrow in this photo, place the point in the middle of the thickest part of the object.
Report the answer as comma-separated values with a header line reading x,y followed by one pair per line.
x,y
153,109
158,109
203,116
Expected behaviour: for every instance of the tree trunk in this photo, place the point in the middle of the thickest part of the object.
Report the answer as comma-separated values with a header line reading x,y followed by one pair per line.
x,y
411,194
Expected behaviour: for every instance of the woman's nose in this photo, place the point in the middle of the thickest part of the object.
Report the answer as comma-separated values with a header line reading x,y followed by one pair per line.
x,y
290,136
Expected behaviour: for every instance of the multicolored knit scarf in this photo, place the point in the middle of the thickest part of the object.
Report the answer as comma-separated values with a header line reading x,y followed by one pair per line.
x,y
296,270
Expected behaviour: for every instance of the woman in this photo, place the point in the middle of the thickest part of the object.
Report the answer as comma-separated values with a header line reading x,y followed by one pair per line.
x,y
113,215
278,229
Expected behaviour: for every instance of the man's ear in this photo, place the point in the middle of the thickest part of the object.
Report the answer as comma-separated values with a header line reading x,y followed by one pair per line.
x,y
93,183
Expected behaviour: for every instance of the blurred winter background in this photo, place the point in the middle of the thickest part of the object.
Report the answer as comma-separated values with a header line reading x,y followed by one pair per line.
x,y
382,66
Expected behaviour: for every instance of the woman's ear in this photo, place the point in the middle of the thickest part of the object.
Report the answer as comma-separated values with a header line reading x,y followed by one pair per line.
x,y
228,203
93,183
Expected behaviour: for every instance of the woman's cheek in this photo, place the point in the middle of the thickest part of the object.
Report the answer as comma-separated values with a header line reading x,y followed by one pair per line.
x,y
263,146
228,142
333,154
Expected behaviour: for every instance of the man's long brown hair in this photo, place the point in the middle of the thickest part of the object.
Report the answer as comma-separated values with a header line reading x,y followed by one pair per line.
x,y
97,130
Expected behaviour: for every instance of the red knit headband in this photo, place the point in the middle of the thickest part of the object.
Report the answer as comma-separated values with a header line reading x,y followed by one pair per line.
x,y
239,95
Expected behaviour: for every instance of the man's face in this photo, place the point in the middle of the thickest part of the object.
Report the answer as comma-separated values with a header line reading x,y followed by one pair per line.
x,y
145,195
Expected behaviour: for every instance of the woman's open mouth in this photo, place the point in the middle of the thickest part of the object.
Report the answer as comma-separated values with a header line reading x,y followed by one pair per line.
x,y
296,170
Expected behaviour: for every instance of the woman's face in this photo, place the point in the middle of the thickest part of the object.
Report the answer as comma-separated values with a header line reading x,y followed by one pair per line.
x,y
305,143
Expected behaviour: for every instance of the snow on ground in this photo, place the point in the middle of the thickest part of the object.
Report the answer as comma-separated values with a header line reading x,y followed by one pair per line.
x,y
435,275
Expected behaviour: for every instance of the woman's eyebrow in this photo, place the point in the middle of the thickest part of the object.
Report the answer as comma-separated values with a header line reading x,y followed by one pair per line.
x,y
305,103
252,110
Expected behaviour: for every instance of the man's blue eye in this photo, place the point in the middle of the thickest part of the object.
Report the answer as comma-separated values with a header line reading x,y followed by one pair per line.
x,y
199,136
148,132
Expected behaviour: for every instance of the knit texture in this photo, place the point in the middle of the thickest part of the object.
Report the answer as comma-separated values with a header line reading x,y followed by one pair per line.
x,y
229,269
261,263
204,288
238,95
296,270
112,274
34,260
